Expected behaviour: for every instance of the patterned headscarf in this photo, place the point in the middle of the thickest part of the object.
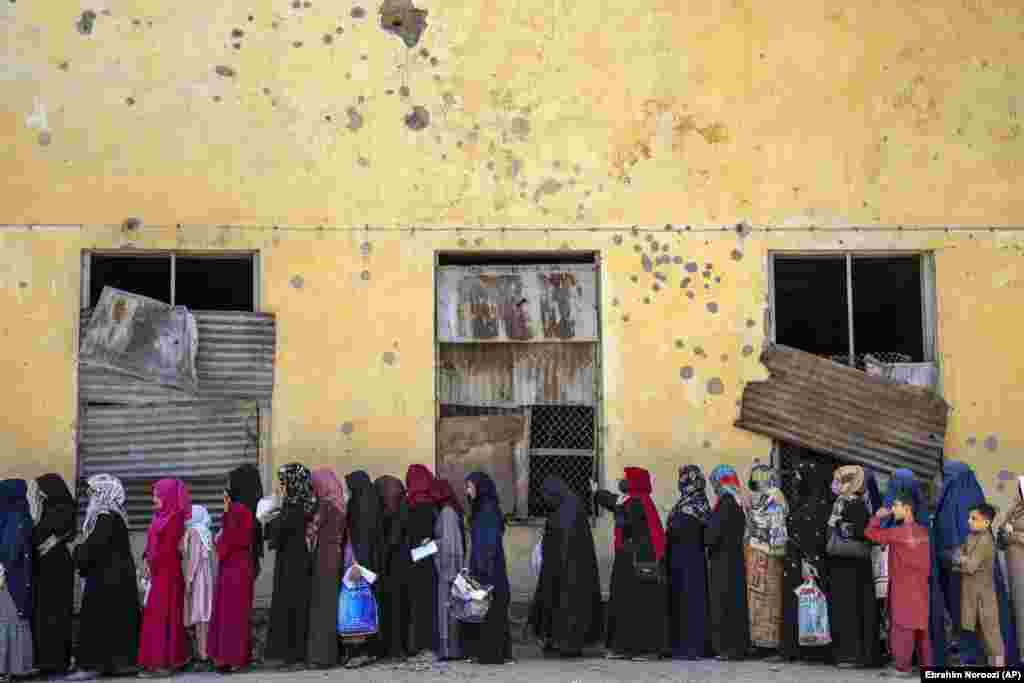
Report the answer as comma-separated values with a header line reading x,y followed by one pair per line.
x,y
106,496
35,500
725,482
200,523
848,485
329,491
693,496
298,487
766,523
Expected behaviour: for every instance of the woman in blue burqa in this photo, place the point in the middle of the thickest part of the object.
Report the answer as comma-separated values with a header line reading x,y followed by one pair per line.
x,y
960,492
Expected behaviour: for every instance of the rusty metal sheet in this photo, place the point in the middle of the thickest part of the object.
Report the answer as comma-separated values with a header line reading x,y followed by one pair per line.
x,y
197,442
831,408
517,303
476,375
517,374
486,444
143,338
555,374
235,360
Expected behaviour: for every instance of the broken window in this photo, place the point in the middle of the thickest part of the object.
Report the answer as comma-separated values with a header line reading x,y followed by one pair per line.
x,y
850,306
518,335
136,420
203,282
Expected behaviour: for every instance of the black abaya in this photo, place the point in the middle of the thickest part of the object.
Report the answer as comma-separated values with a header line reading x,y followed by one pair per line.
x,y
53,578
567,607
806,525
636,610
688,587
727,574
421,580
392,587
488,643
289,608
854,610
110,616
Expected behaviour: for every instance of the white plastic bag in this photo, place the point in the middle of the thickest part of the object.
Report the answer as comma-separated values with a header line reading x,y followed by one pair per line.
x,y
813,611
880,570
267,509
364,573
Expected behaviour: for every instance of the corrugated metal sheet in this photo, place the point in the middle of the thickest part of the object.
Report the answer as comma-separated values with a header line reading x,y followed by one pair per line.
x,y
555,374
517,375
517,303
235,360
197,442
141,337
831,408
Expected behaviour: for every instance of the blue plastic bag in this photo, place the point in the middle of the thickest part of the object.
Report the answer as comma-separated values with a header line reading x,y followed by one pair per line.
x,y
357,610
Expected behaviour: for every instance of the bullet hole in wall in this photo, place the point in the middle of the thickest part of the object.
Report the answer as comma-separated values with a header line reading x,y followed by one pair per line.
x,y
686,372
418,118
297,282
225,71
86,22
715,386
403,19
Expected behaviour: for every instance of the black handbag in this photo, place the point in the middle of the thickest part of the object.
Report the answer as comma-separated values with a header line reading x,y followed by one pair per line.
x,y
841,546
648,572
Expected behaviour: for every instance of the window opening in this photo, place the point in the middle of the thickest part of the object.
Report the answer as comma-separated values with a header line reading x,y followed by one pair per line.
x,y
149,276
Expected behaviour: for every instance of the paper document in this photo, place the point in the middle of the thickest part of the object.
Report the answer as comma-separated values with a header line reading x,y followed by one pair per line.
x,y
365,574
424,551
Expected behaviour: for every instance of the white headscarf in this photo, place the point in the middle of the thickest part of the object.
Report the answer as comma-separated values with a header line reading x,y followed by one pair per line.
x,y
200,523
106,496
35,500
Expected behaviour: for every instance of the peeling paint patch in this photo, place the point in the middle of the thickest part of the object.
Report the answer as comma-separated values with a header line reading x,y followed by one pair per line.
x,y
715,386
86,22
418,118
297,282
404,20
716,133
549,186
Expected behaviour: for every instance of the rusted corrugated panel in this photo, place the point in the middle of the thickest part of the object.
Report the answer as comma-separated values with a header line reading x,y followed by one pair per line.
x,y
143,338
517,303
562,374
476,374
235,360
517,374
831,408
198,442
481,444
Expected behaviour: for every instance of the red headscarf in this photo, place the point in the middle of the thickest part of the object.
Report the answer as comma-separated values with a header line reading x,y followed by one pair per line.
x,y
639,488
443,494
419,485
175,501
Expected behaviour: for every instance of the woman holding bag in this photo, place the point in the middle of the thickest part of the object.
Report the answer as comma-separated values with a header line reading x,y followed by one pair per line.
x,y
488,642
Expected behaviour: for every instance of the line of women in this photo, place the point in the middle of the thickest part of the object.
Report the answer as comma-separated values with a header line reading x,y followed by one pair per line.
x,y
136,619
730,570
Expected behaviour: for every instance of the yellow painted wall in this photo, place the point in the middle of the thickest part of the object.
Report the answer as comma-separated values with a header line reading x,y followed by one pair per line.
x,y
566,116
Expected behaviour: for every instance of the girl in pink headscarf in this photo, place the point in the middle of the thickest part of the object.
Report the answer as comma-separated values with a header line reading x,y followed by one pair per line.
x,y
163,645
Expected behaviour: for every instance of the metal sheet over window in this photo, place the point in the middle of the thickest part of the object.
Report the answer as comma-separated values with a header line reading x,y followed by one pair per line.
x,y
199,443
235,360
831,408
143,338
517,303
518,374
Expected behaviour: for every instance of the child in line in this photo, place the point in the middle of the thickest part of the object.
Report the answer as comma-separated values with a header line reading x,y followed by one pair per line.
x,y
909,571
974,559
197,549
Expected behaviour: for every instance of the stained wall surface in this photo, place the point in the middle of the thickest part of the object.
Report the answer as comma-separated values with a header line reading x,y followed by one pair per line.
x,y
374,136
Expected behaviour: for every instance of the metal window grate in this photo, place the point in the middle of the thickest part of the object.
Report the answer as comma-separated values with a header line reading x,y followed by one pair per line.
x,y
562,427
453,410
861,364
562,443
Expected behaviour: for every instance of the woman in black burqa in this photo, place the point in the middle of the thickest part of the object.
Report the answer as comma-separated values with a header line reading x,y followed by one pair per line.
x,y
422,575
365,538
567,610
392,588
727,575
54,575
808,520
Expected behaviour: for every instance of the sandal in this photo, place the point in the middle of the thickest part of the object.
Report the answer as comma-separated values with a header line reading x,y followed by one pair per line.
x,y
154,673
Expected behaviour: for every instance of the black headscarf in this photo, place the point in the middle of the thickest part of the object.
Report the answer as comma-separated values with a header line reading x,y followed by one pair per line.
x,y
59,511
563,505
364,519
246,487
